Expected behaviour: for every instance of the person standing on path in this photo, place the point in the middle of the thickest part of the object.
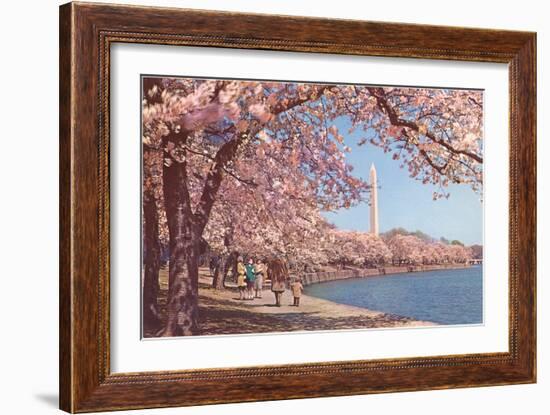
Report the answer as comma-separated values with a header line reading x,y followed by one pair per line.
x,y
278,273
241,273
250,279
297,288
261,273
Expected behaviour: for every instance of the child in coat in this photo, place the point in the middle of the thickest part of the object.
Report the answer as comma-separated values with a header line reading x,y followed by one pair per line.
x,y
297,289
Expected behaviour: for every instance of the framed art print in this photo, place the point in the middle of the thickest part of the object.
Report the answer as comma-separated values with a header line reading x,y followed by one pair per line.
x,y
302,207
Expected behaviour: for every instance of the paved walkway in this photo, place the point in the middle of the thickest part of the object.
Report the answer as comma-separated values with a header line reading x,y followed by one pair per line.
x,y
221,312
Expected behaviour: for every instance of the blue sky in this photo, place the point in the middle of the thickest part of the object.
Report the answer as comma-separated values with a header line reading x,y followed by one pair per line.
x,y
405,202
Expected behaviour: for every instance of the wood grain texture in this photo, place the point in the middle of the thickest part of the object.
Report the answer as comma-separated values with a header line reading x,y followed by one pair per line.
x,y
86,33
65,248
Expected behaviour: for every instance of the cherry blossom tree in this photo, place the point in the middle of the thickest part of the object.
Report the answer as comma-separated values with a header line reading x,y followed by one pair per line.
x,y
278,144
205,128
376,251
459,254
409,249
356,248
436,133
265,219
406,249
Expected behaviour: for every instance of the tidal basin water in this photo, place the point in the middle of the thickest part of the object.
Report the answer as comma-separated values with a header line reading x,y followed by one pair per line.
x,y
443,296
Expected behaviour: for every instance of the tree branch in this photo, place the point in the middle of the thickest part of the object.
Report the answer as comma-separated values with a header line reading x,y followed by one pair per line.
x,y
249,182
398,122
229,150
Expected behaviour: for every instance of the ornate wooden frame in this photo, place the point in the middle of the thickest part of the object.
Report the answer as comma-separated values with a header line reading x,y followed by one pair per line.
x,y
86,33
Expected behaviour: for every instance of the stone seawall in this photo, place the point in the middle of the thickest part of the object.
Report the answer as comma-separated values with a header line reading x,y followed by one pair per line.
x,y
317,277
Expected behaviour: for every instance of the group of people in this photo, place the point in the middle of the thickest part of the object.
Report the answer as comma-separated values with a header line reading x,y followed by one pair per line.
x,y
251,277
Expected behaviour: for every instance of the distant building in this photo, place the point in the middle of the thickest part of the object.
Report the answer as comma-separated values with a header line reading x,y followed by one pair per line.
x,y
374,201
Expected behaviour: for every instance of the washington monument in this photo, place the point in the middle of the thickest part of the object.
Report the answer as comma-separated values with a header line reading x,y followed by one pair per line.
x,y
374,201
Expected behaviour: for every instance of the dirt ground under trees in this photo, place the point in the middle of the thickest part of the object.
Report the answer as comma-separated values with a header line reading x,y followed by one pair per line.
x,y
221,312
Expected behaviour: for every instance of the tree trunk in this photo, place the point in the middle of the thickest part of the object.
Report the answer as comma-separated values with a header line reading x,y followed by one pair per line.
x,y
151,318
231,264
182,307
219,273
225,265
182,310
185,229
